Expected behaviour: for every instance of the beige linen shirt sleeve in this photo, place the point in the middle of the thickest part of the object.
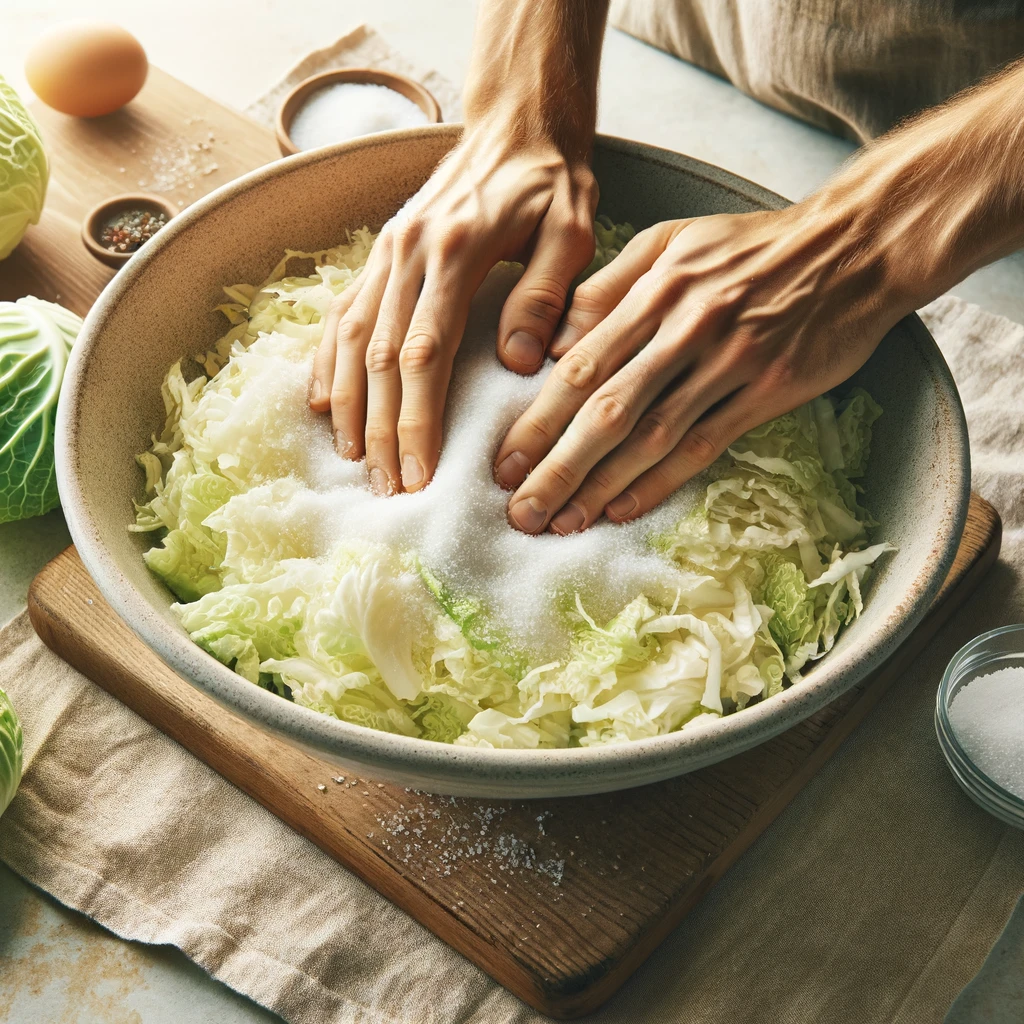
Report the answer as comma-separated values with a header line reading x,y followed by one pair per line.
x,y
852,67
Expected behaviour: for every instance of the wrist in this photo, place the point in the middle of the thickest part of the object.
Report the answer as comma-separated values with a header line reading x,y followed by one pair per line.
x,y
899,223
534,71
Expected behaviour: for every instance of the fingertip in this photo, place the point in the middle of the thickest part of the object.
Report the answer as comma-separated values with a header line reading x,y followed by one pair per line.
x,y
566,336
622,509
522,352
527,515
572,519
511,470
319,396
415,476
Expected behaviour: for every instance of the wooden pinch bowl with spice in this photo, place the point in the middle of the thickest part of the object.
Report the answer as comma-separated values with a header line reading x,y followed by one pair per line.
x,y
103,213
297,98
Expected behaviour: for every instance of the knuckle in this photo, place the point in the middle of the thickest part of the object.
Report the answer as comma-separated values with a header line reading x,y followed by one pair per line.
x,y
407,235
591,299
378,436
352,330
338,304
580,236
453,240
562,473
699,447
538,432
578,369
654,434
381,356
610,413
420,351
779,374
544,299
600,481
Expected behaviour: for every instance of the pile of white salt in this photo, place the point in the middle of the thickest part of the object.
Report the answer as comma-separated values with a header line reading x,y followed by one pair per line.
x,y
457,525
987,716
346,110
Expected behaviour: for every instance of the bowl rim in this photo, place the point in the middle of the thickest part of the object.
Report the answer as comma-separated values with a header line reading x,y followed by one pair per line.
x,y
595,769
407,87
106,208
983,786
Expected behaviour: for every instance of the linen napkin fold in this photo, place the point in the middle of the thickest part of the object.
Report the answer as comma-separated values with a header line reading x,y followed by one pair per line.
x,y
874,897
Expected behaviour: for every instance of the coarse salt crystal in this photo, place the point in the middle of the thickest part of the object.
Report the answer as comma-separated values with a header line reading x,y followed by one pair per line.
x,y
987,716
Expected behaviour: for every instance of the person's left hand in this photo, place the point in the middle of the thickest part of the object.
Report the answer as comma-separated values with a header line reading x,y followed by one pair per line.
x,y
700,330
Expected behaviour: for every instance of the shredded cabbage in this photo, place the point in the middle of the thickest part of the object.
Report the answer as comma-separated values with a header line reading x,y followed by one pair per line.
x,y
772,565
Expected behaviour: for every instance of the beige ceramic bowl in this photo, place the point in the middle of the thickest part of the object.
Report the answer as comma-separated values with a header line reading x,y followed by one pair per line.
x,y
159,309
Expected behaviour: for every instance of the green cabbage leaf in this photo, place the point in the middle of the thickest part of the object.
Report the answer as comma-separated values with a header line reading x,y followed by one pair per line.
x,y
771,566
35,341
24,171
10,751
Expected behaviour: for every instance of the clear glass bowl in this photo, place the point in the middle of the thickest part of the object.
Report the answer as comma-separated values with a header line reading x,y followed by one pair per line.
x,y
999,648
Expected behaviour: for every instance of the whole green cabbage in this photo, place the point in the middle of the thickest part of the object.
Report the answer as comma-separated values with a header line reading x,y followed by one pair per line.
x,y
24,170
35,339
10,751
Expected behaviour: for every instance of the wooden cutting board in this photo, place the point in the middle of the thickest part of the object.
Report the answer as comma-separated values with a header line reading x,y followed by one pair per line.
x,y
559,901
170,140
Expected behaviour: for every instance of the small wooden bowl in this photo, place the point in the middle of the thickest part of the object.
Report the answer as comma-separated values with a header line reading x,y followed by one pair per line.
x,y
103,213
361,76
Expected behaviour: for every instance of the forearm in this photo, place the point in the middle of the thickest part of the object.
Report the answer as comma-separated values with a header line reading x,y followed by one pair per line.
x,y
940,197
535,68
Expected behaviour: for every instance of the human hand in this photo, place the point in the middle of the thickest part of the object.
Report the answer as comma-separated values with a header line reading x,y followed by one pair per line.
x,y
700,330
383,367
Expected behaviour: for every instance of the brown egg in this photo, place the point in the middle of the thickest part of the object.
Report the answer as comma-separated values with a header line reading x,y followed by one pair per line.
x,y
86,68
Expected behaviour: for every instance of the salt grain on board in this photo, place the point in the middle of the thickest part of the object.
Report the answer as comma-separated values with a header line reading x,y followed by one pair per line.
x,y
987,716
425,842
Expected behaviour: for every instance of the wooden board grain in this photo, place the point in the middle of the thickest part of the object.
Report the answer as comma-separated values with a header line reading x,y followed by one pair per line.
x,y
558,900
170,140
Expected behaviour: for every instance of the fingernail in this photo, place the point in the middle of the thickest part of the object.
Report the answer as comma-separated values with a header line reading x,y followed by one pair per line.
x,y
380,484
512,470
412,472
529,514
569,520
565,338
314,391
341,442
621,506
524,349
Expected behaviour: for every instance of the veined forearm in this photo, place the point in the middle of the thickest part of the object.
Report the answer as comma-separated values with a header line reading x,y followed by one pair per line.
x,y
535,67
943,195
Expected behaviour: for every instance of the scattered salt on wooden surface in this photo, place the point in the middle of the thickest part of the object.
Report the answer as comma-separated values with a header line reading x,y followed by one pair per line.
x,y
346,110
987,716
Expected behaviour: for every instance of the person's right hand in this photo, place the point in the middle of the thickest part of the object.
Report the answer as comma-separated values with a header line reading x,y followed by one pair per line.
x,y
383,366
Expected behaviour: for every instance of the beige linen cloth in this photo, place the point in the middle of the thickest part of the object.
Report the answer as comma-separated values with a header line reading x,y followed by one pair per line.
x,y
873,898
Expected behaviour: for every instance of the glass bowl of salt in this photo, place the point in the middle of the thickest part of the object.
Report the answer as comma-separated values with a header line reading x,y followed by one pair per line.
x,y
979,720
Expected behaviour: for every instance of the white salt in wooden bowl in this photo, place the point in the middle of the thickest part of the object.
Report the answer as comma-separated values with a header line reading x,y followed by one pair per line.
x,y
158,310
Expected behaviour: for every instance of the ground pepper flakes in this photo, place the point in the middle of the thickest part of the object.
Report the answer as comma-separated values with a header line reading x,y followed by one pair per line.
x,y
129,230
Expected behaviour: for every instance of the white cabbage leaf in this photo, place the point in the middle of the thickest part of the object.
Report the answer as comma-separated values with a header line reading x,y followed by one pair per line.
x,y
772,565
